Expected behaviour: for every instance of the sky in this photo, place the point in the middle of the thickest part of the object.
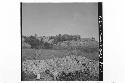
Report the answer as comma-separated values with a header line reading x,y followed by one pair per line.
x,y
47,19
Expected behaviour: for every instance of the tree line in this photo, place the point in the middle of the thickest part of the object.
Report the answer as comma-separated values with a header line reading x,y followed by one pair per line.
x,y
38,43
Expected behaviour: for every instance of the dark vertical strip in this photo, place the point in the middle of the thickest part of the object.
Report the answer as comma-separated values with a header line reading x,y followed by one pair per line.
x,y
21,35
100,24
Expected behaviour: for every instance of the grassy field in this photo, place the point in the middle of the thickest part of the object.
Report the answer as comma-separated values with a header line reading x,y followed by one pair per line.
x,y
33,54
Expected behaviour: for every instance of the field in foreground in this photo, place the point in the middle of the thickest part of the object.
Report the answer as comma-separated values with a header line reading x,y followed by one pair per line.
x,y
68,68
59,65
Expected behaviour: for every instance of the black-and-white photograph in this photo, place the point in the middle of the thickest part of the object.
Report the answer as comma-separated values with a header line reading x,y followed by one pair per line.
x,y
61,41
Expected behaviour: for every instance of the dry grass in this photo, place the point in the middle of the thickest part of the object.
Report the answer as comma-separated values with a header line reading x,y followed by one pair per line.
x,y
32,54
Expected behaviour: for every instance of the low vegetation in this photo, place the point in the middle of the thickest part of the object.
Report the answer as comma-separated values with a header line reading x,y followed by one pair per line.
x,y
65,68
60,58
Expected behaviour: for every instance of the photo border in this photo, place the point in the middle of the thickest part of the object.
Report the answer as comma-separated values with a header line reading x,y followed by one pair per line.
x,y
21,36
100,25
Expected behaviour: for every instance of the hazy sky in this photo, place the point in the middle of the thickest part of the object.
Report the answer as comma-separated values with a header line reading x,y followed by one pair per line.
x,y
60,18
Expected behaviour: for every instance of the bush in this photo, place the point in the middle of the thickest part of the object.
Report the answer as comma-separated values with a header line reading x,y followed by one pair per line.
x,y
27,76
77,76
47,45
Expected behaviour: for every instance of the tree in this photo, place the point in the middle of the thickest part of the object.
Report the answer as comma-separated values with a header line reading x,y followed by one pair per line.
x,y
33,41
